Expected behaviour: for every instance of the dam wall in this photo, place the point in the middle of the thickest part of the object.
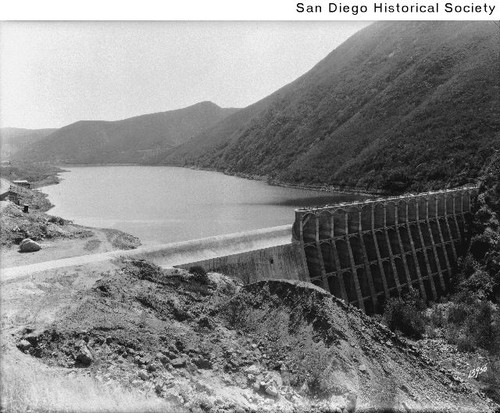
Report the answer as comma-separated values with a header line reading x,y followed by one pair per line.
x,y
250,256
367,251
266,251
362,252
279,262
206,249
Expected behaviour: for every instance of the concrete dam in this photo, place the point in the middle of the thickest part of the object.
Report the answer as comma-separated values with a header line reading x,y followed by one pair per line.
x,y
367,251
362,252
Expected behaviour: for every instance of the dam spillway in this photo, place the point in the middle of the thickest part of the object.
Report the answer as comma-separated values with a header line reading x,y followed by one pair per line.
x,y
367,251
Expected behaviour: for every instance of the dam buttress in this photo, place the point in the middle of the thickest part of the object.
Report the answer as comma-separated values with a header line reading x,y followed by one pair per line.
x,y
364,252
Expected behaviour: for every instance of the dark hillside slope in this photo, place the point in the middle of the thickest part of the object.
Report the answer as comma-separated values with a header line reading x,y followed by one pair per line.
x,y
129,140
209,139
398,106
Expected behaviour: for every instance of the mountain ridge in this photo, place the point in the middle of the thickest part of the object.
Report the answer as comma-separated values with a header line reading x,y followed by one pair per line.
x,y
387,109
399,106
129,140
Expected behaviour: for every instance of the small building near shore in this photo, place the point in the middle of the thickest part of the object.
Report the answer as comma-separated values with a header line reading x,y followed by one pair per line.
x,y
4,189
24,183
7,191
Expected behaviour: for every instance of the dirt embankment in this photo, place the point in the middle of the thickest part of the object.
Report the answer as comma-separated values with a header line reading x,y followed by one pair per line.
x,y
207,344
59,238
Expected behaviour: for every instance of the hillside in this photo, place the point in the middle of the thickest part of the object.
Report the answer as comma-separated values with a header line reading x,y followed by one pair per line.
x,y
205,343
126,141
399,106
14,139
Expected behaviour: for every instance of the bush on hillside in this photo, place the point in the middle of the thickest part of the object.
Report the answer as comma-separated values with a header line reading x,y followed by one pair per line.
x,y
405,314
479,283
479,271
473,317
199,274
473,323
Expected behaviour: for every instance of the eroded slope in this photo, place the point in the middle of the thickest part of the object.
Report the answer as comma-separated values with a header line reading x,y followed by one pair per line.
x,y
209,344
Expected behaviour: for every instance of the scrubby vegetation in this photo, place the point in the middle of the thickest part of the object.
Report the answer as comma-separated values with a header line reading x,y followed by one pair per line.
x,y
470,317
398,107
199,273
404,314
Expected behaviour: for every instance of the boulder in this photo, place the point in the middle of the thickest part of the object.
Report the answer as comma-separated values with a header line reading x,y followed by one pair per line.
x,y
274,377
28,245
143,375
162,358
191,367
84,357
253,369
179,362
32,338
202,363
24,345
271,390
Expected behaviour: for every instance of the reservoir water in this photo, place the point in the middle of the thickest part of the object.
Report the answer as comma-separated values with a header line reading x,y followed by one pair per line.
x,y
168,204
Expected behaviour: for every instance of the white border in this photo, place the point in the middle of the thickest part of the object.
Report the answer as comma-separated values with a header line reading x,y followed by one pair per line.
x,y
236,10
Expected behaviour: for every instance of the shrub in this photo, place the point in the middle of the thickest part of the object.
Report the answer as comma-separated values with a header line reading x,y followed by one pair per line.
x,y
473,323
199,274
405,314
436,319
197,270
480,284
480,244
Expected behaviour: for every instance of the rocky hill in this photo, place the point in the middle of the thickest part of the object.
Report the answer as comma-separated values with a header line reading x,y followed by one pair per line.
x,y
130,140
206,343
399,106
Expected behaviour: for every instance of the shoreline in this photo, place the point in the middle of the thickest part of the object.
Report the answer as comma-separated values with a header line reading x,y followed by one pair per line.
x,y
283,184
55,178
252,177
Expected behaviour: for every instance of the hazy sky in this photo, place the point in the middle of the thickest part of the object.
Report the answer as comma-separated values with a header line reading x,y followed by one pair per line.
x,y
56,73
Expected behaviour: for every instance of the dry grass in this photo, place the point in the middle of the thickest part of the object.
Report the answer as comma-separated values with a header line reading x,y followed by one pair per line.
x,y
26,387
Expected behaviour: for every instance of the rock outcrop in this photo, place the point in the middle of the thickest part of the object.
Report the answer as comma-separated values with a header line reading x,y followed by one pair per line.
x,y
28,245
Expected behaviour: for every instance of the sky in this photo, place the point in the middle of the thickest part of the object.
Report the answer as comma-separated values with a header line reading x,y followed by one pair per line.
x,y
56,73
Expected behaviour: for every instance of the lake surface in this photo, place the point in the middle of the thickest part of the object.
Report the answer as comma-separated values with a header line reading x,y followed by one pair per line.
x,y
168,204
